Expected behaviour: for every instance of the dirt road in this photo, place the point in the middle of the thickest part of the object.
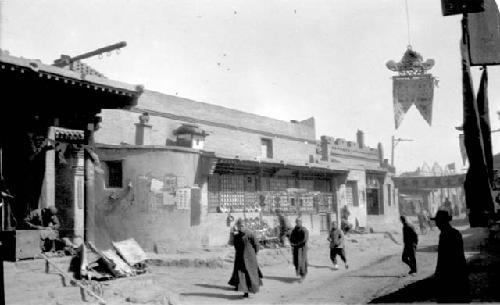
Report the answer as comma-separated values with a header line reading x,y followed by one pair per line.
x,y
375,269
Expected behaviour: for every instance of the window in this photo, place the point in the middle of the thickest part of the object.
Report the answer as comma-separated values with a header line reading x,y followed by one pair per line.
x,y
114,174
351,192
266,148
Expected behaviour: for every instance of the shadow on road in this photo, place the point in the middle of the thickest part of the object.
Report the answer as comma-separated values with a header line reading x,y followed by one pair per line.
x,y
283,279
420,291
483,272
374,275
320,267
213,295
226,288
432,248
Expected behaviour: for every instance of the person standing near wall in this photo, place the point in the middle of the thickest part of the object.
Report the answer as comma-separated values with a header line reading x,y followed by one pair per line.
x,y
452,282
337,245
298,240
410,240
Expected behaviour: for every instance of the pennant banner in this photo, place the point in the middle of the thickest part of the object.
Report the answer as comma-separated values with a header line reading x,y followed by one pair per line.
x,y
418,90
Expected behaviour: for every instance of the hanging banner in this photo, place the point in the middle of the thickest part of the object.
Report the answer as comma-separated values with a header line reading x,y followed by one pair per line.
x,y
477,185
418,90
484,35
429,182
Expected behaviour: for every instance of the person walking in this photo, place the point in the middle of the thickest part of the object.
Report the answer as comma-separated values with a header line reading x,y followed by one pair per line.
x,y
410,240
337,246
422,222
246,276
298,240
428,220
451,277
284,227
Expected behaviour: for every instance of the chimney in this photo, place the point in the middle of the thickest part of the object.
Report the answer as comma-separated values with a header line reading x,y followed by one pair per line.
x,y
380,149
143,130
360,136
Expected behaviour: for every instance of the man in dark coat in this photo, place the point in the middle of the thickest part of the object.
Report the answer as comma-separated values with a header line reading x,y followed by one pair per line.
x,y
337,245
246,275
298,241
452,283
410,241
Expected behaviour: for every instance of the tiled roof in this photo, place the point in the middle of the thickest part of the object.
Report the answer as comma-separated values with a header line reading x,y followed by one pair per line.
x,y
23,65
65,134
83,68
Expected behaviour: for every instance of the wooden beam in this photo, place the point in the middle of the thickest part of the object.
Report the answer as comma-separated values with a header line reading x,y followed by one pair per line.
x,y
71,279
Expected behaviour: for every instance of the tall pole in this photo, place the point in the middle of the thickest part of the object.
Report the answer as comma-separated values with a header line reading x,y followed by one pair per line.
x,y
392,151
2,250
395,142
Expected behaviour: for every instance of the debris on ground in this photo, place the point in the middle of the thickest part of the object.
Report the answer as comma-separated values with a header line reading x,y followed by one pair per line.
x,y
126,259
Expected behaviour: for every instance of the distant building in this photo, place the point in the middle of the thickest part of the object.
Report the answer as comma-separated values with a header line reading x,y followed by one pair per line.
x,y
427,189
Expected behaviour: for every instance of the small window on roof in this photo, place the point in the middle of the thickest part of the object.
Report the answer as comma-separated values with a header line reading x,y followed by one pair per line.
x,y
266,148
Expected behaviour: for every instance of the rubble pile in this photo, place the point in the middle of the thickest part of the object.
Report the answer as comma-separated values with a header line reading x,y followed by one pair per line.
x,y
126,258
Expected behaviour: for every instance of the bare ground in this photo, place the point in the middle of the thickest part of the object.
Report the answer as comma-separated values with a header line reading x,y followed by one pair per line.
x,y
375,270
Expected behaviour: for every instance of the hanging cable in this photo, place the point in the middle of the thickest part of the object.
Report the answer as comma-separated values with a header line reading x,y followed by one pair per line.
x,y
408,23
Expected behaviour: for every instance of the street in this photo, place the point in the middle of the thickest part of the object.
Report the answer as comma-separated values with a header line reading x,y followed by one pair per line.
x,y
375,269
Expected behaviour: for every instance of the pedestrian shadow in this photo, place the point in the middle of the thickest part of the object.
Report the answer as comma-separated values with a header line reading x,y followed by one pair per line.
x,y
283,279
212,295
374,275
319,266
215,287
432,248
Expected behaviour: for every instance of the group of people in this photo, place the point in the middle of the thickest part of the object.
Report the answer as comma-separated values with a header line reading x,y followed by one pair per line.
x,y
247,276
451,278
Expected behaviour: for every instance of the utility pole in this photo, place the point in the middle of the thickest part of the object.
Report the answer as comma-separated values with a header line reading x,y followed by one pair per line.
x,y
394,143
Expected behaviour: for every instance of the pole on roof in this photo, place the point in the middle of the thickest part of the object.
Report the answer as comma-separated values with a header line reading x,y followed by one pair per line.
x,y
66,60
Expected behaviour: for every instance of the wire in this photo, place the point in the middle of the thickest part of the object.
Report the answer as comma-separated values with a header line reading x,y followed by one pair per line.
x,y
408,22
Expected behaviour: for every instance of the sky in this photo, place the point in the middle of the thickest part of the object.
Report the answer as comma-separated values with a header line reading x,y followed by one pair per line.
x,y
288,60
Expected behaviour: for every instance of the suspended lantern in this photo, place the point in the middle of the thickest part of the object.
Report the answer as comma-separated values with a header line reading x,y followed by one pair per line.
x,y
412,85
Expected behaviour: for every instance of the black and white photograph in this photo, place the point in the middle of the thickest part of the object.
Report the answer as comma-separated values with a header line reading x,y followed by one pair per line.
x,y
177,152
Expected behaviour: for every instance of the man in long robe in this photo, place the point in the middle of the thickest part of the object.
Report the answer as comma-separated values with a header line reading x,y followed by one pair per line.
x,y
246,275
298,240
452,283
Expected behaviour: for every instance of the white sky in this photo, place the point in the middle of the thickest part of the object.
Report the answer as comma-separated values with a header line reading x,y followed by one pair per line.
x,y
283,59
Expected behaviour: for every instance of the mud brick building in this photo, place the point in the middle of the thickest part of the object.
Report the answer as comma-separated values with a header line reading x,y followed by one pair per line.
x,y
120,162
175,170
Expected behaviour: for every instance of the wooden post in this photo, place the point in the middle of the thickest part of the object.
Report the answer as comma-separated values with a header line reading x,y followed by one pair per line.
x,y
47,197
2,251
89,204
